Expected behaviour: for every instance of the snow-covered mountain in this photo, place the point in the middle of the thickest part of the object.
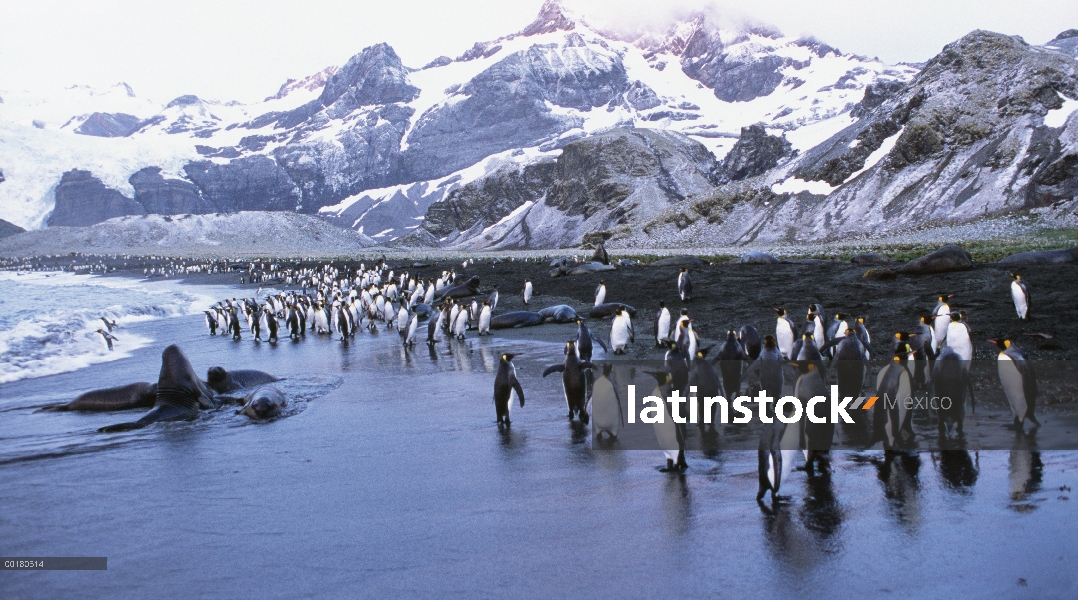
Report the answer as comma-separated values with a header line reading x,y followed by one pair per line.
x,y
535,139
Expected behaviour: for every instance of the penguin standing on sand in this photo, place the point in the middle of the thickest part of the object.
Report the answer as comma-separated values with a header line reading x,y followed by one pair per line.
x,y
770,460
1019,382
750,342
292,322
662,325
958,337
684,285
670,435
621,331
234,325
484,318
600,293
107,338
1020,295
527,291
211,322
409,336
460,324
574,381
505,383
941,317
785,334
604,406
434,327
492,300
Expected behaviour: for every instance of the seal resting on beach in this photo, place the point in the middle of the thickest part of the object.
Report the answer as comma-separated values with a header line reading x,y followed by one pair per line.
x,y
180,393
560,313
515,320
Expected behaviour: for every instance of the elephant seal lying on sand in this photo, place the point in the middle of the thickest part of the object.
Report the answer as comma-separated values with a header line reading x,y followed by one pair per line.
x,y
180,393
607,310
560,313
515,320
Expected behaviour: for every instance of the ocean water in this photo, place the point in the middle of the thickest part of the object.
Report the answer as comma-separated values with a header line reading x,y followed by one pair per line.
x,y
49,321
395,481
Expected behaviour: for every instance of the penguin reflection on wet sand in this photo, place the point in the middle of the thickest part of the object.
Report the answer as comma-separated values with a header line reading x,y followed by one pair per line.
x,y
574,381
505,383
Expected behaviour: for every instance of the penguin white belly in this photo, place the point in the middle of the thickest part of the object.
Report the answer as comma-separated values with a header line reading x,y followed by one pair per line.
x,y
619,335
1020,305
771,471
818,332
605,408
785,337
484,321
1011,378
600,297
461,325
958,340
663,333
939,327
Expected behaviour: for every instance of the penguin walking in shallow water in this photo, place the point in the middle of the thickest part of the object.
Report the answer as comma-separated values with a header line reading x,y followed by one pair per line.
x,y
770,461
817,437
484,318
292,322
574,382
271,326
527,291
584,341
785,334
600,293
434,327
1019,382
670,435
107,338
662,325
211,322
505,383
891,419
605,406
234,325
410,329
1020,295
684,285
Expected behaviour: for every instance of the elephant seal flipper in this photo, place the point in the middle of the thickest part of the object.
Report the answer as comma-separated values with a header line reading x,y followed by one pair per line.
x,y
180,393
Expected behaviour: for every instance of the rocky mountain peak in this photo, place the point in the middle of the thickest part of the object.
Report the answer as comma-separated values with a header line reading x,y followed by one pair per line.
x,y
374,76
1065,42
552,17
185,100
309,83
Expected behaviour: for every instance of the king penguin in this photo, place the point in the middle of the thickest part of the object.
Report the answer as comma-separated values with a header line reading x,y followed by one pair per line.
x,y
684,285
949,380
211,322
730,363
1019,382
484,318
600,293
621,331
784,334
818,437
527,291
1020,295
941,317
891,420
505,383
670,435
662,325
605,406
958,338
574,382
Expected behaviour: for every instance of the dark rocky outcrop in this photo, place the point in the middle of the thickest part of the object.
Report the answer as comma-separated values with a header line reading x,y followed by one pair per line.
x,y
754,153
82,199
252,183
167,196
9,229
109,125
946,259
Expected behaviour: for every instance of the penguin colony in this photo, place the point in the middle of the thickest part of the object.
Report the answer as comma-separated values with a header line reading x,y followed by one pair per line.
x,y
931,357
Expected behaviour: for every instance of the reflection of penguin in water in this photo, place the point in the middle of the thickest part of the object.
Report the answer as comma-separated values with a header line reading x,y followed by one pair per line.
x,y
1019,382
1020,295
108,338
574,381
605,406
505,383
670,435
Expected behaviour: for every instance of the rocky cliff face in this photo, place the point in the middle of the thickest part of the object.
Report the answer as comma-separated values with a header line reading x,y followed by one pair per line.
x,y
610,181
755,153
82,199
9,229
972,136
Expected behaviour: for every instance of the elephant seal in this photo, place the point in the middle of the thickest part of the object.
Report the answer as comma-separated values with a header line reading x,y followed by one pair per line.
x,y
422,311
180,393
946,259
133,395
592,267
872,259
607,310
561,313
1068,255
263,403
515,320
468,288
223,381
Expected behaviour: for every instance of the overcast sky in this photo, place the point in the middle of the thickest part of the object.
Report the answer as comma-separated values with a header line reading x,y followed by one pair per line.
x,y
244,49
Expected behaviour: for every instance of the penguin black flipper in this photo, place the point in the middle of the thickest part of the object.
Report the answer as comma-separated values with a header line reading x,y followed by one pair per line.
x,y
553,369
600,342
516,387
